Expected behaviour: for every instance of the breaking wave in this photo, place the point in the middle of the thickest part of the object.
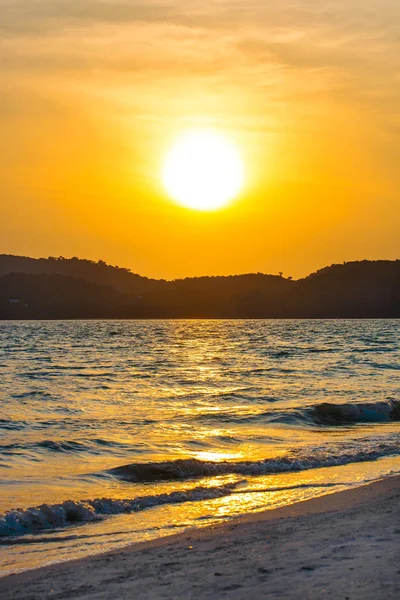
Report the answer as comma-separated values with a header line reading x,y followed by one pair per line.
x,y
47,518
55,516
360,412
32,520
321,414
296,460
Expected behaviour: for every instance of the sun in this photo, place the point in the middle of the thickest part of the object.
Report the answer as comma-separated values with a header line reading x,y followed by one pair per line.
x,y
203,170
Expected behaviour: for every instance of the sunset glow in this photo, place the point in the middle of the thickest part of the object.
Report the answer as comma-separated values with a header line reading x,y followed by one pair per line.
x,y
95,100
199,299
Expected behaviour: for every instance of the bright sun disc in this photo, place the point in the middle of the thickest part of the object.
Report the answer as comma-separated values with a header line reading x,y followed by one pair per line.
x,y
203,170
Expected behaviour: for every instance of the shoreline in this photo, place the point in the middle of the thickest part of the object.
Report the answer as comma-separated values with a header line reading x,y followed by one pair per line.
x,y
340,545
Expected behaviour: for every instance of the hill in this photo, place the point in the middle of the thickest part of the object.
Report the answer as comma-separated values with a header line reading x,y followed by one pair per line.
x,y
351,290
74,288
123,280
53,296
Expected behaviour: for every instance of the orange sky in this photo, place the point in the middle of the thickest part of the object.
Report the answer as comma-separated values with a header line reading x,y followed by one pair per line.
x,y
93,93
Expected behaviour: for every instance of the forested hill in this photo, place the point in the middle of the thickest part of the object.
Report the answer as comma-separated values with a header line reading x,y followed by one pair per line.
x,y
74,288
95,272
123,280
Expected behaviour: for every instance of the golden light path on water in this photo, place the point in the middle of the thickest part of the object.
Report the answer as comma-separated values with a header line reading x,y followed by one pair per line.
x,y
83,398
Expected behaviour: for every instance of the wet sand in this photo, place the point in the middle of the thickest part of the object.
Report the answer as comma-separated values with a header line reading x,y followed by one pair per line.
x,y
341,546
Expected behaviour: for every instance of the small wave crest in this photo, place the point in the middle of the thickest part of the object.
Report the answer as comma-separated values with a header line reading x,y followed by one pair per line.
x,y
50,445
93,446
56,516
10,425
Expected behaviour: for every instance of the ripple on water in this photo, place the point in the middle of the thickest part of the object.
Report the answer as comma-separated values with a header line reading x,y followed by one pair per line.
x,y
81,398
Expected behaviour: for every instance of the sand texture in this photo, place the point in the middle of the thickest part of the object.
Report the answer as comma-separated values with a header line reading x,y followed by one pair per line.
x,y
341,546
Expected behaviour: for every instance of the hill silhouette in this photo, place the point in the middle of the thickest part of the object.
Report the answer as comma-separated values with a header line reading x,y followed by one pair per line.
x,y
60,288
123,280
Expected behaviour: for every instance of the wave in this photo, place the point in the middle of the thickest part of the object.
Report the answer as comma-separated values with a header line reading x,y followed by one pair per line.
x,y
234,417
32,394
10,425
361,412
55,516
47,517
296,460
94,446
53,446
325,413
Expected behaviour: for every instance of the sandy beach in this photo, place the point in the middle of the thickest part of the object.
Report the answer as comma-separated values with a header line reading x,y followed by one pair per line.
x,y
344,545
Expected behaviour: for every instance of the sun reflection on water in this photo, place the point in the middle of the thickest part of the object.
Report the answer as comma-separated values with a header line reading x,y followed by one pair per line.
x,y
83,398
217,456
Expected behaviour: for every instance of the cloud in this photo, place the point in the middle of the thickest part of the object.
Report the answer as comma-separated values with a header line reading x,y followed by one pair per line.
x,y
294,33
291,49
43,17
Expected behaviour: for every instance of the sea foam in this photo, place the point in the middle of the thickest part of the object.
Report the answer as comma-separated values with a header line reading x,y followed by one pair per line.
x,y
55,516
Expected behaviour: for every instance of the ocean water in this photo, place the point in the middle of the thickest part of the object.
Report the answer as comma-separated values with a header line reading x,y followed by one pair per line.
x,y
113,432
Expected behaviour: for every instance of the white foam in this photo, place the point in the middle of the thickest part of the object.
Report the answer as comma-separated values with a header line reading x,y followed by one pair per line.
x,y
45,517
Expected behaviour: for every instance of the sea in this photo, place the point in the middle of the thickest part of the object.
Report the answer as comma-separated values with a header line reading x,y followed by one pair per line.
x,y
115,432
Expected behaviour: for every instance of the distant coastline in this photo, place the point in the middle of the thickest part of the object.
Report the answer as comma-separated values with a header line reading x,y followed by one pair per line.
x,y
61,288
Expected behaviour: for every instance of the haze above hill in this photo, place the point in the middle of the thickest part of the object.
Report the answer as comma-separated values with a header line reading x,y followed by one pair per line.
x,y
60,288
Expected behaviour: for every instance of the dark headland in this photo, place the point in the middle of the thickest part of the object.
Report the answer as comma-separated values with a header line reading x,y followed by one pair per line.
x,y
60,288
